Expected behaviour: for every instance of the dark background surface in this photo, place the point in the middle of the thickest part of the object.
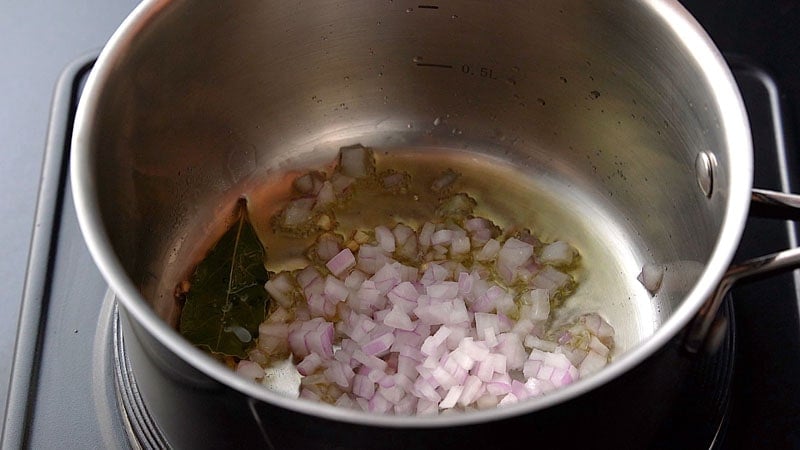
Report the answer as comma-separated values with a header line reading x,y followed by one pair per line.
x,y
765,411
41,37
767,32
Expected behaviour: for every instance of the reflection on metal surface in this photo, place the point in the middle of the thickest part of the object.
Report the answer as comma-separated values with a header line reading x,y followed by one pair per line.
x,y
704,166
769,264
139,425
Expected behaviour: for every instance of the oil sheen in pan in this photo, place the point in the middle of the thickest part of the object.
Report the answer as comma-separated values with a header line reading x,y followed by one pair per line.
x,y
539,197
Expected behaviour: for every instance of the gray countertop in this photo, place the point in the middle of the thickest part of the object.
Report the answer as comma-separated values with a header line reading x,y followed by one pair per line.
x,y
40,39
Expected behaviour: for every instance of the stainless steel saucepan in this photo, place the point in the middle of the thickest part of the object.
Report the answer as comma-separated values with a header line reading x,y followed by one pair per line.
x,y
615,125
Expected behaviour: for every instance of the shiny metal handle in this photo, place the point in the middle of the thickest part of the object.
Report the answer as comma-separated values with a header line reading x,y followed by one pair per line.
x,y
763,204
775,205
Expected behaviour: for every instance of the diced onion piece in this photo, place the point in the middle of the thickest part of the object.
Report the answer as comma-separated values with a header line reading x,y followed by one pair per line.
x,y
385,238
398,319
592,363
536,305
425,234
551,278
489,251
534,342
341,182
297,212
452,397
341,262
459,245
363,386
356,161
250,370
309,364
651,277
558,253
379,345
513,254
304,184
327,246
326,195
508,399
442,237
431,329
444,181
484,322
273,337
335,290
394,180
280,288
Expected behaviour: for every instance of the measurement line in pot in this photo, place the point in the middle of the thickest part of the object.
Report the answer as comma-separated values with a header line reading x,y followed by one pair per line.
x,y
441,66
483,71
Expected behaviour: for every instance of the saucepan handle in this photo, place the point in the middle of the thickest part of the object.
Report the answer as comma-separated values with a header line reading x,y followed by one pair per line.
x,y
704,332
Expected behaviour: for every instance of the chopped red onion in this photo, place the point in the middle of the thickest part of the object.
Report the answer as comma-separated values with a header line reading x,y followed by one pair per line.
x,y
513,254
434,345
442,237
651,277
539,302
385,238
508,399
304,184
370,297
335,290
551,278
363,386
319,341
425,235
371,258
386,278
534,342
453,394
379,345
406,406
592,363
430,334
447,178
297,212
341,262
339,373
379,404
344,401
309,395
325,196
510,345
397,318
307,276
394,180
465,282
341,183
460,245
356,161
489,251
427,406
445,290
404,295
558,253
485,321
280,288
250,370
316,305
477,351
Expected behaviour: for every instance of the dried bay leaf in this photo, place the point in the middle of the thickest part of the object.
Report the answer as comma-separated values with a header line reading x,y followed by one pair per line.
x,y
226,300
